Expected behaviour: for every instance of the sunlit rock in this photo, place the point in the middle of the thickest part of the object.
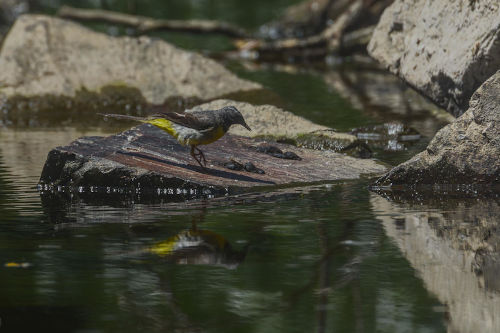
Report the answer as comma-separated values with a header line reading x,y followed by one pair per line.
x,y
445,49
44,55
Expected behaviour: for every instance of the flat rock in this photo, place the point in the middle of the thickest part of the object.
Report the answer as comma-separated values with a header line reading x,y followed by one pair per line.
x,y
445,49
44,55
464,152
146,157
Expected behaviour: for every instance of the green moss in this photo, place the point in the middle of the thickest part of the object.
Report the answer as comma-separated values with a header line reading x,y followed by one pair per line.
x,y
277,138
318,142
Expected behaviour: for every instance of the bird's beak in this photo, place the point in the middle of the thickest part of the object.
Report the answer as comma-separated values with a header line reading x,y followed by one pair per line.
x,y
246,126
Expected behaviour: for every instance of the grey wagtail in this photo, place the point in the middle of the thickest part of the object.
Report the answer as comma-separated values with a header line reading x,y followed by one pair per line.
x,y
193,128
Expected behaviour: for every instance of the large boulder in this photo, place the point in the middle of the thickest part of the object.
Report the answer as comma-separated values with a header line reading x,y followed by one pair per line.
x,y
445,49
48,56
466,151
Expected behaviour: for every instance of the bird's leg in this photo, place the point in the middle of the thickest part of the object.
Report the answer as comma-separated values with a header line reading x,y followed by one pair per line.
x,y
201,155
193,147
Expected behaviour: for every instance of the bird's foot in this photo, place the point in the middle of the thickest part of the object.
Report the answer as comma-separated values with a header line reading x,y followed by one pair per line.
x,y
200,157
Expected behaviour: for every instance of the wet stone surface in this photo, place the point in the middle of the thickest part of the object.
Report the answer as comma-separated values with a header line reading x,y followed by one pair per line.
x,y
248,166
146,157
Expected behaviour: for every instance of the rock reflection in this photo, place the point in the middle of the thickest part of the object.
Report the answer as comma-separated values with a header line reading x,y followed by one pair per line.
x,y
455,249
386,97
67,209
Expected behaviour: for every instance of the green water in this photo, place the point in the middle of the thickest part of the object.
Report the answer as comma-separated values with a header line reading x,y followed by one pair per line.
x,y
316,260
313,259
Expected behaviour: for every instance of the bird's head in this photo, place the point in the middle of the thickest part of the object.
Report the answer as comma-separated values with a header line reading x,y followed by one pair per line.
x,y
233,116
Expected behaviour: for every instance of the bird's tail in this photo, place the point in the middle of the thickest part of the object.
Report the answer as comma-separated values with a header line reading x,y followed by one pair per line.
x,y
122,116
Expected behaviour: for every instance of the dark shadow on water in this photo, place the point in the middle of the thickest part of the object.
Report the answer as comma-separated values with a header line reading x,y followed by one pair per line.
x,y
41,318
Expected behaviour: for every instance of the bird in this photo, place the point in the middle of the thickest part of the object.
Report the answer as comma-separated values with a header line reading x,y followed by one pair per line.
x,y
193,128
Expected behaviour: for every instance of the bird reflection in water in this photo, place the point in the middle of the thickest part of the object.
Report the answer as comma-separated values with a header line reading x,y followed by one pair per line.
x,y
199,247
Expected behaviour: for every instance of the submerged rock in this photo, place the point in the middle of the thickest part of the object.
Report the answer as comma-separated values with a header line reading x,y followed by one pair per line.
x,y
43,55
392,136
466,151
145,157
445,49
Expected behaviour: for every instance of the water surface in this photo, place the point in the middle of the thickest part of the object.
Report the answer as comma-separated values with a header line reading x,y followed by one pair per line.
x,y
331,257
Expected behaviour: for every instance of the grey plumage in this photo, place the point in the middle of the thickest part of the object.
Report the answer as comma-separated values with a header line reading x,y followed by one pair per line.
x,y
198,120
193,128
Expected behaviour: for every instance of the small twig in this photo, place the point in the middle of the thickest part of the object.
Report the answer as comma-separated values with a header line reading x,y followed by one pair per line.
x,y
146,24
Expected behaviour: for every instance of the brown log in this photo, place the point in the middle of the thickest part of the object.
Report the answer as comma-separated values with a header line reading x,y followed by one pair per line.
x,y
146,24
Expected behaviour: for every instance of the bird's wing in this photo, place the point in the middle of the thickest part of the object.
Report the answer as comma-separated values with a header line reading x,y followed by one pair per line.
x,y
198,120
